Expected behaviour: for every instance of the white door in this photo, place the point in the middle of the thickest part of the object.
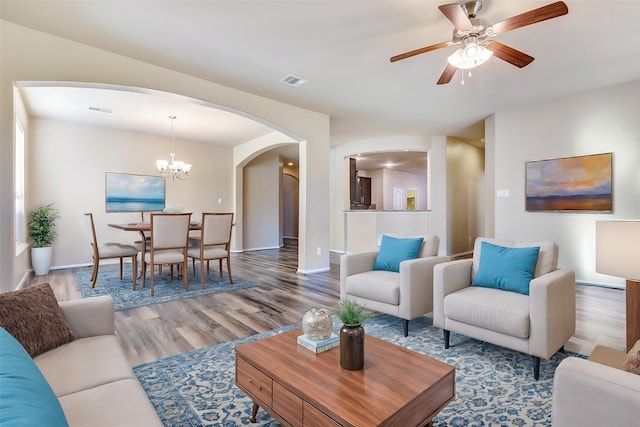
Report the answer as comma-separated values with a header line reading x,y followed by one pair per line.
x,y
399,202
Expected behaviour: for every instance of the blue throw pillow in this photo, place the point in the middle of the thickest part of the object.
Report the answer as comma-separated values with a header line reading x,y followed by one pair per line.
x,y
393,251
26,398
510,269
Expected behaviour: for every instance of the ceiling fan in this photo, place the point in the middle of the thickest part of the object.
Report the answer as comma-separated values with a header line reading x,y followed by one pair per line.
x,y
473,36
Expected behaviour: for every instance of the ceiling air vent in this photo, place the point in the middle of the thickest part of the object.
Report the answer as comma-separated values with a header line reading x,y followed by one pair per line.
x,y
292,80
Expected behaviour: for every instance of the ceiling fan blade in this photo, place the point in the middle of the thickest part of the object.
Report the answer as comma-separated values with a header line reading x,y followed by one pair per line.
x,y
540,14
447,74
456,15
419,51
509,54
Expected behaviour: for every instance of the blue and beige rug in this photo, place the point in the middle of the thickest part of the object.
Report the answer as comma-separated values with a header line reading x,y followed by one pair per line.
x,y
125,297
494,385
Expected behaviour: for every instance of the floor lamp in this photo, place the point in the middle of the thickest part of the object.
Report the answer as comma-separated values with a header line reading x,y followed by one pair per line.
x,y
618,254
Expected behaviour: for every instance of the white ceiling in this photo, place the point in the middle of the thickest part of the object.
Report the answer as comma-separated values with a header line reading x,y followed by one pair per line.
x,y
342,48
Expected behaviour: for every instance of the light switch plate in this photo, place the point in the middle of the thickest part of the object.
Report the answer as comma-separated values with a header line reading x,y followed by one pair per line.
x,y
504,192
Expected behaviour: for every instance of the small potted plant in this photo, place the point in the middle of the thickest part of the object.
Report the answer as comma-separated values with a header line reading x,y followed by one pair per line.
x,y
41,222
353,315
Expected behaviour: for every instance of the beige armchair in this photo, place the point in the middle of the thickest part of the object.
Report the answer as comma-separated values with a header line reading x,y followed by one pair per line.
x,y
538,324
406,294
596,392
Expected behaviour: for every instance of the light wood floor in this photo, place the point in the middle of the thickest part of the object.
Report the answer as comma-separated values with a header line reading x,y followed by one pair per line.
x,y
161,330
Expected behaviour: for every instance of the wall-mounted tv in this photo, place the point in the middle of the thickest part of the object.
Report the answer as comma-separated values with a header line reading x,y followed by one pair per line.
x,y
134,193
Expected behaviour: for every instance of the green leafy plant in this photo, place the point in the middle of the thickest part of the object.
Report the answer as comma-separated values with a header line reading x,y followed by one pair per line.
x,y
41,225
352,313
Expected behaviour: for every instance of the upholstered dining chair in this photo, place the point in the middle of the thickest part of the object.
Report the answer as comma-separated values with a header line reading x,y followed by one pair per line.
x,y
109,250
214,243
168,245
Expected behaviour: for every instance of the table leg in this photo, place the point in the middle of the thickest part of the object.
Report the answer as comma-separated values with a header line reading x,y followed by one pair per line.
x,y
254,412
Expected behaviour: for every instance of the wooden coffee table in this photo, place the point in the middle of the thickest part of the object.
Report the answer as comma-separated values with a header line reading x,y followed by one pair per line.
x,y
298,387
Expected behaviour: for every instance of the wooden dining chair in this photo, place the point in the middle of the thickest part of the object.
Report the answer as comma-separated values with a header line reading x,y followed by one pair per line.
x,y
215,242
168,245
109,250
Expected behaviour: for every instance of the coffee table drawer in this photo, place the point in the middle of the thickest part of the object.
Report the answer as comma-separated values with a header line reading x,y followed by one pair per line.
x,y
287,404
313,417
254,381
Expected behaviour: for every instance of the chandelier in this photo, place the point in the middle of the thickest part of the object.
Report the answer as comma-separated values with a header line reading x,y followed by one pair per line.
x,y
176,169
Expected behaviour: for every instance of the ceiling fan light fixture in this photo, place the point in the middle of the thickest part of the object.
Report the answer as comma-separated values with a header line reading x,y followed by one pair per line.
x,y
471,56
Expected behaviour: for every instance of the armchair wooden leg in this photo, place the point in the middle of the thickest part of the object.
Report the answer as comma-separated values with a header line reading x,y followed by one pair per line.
x,y
405,327
536,367
447,335
121,267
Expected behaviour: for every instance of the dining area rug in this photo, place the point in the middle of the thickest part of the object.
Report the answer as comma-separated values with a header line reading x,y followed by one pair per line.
x,y
494,385
125,298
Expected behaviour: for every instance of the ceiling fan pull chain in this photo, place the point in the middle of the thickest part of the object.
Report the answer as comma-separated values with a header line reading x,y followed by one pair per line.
x,y
461,77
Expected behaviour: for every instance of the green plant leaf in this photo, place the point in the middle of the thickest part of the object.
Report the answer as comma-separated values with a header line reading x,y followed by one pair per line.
x,y
352,313
41,223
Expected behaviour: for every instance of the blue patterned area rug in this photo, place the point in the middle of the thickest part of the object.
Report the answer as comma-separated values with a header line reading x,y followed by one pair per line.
x,y
494,385
126,298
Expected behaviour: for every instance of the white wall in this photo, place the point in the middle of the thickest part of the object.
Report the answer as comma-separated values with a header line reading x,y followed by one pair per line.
x,y
465,192
262,203
340,171
600,121
68,162
392,178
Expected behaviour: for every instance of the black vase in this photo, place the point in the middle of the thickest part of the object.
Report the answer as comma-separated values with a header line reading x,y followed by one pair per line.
x,y
352,347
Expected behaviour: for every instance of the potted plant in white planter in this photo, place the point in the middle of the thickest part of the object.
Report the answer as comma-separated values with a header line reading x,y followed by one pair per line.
x,y
41,231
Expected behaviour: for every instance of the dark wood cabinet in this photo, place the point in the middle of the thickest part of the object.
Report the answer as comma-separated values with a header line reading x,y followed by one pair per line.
x,y
363,190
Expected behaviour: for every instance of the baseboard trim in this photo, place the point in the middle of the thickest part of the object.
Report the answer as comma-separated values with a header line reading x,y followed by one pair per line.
x,y
601,285
314,271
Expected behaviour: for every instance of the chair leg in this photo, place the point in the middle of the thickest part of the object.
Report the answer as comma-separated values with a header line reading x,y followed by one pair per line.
x,y
201,273
94,275
229,270
405,327
185,275
134,269
121,268
152,277
144,272
447,335
207,267
194,266
220,266
536,367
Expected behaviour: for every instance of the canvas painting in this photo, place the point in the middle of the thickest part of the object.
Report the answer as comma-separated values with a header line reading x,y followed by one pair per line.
x,y
581,183
134,193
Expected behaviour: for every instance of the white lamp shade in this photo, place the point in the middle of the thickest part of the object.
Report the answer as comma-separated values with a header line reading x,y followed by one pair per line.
x,y
618,248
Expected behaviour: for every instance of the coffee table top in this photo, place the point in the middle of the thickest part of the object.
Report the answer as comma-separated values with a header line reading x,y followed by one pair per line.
x,y
396,385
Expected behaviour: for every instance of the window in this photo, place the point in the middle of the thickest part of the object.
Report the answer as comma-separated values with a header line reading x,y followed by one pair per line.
x,y
20,223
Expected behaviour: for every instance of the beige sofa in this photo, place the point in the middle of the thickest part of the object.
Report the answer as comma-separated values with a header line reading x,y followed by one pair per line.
x,y
90,375
596,392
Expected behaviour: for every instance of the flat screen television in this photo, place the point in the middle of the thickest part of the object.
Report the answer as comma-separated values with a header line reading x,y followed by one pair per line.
x,y
134,193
